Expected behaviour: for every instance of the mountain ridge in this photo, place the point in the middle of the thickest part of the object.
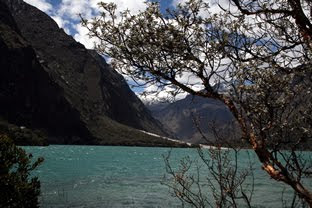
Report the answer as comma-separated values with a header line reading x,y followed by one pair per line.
x,y
191,116
63,88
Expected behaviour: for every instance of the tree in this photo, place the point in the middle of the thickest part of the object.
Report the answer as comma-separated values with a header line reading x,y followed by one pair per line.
x,y
216,179
260,51
16,188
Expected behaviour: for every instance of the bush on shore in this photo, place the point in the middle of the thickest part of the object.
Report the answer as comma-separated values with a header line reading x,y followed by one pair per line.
x,y
17,187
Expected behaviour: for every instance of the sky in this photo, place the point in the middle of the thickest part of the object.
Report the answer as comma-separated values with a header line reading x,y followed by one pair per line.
x,y
65,13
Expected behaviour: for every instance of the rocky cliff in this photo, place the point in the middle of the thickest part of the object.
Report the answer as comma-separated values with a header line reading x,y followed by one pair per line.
x,y
49,81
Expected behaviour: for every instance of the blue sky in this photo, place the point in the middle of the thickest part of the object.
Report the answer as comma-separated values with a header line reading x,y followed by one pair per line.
x,y
164,3
65,13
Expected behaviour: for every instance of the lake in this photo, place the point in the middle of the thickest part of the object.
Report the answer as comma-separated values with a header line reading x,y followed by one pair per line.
x,y
114,176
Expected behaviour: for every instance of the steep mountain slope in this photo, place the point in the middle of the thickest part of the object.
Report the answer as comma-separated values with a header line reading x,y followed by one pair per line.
x,y
183,117
51,82
28,96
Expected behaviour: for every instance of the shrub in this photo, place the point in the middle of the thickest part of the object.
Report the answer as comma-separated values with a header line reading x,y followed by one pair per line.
x,y
17,187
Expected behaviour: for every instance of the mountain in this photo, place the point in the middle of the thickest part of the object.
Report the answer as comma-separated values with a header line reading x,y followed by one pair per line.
x,y
48,81
187,117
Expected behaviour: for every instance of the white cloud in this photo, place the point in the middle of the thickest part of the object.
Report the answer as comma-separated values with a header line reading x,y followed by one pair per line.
x,y
214,6
69,10
133,5
60,22
43,5
66,14
82,37
154,95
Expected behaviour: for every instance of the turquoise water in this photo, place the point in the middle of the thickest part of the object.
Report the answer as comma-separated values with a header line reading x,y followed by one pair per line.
x,y
105,176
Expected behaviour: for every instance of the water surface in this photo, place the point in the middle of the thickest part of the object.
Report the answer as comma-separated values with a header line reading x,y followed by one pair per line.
x,y
105,176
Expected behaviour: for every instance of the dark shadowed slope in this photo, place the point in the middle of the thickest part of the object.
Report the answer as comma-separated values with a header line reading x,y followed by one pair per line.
x,y
51,82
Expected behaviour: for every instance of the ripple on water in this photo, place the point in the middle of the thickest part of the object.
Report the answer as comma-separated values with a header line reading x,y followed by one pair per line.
x,y
97,176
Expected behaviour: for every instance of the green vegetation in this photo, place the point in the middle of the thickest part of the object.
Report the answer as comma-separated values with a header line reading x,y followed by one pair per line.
x,y
18,189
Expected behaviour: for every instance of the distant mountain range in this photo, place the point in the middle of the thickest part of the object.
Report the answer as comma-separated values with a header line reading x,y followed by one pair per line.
x,y
48,81
192,117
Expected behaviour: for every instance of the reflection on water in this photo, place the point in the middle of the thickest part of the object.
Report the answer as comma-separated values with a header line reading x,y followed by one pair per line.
x,y
104,176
